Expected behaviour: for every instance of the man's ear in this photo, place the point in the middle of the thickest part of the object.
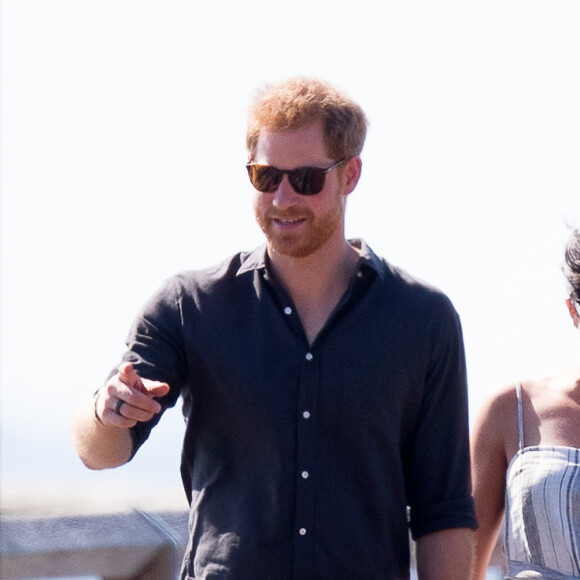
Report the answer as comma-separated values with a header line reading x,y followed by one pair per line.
x,y
573,310
351,173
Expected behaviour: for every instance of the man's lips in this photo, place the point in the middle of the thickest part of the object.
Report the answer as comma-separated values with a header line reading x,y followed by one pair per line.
x,y
288,221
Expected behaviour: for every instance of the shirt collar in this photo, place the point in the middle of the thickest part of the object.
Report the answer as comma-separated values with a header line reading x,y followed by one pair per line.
x,y
258,258
254,260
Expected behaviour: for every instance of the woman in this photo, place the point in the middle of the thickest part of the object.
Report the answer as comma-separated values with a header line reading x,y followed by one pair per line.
x,y
526,464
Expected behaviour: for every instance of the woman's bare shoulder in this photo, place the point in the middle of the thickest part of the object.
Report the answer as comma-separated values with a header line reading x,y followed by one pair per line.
x,y
500,402
496,420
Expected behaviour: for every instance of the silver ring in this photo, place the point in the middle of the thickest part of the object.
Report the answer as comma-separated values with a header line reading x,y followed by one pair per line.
x,y
117,408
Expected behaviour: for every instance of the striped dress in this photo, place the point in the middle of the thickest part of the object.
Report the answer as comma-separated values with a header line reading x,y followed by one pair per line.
x,y
542,524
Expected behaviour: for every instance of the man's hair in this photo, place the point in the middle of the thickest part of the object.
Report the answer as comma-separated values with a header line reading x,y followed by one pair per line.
x,y
572,265
299,102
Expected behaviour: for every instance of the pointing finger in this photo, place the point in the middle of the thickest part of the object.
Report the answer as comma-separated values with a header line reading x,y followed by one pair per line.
x,y
129,376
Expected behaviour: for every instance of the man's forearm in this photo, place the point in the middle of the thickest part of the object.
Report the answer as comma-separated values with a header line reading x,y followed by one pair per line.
x,y
446,555
99,446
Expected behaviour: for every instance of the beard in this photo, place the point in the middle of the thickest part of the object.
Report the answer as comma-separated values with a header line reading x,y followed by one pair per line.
x,y
304,243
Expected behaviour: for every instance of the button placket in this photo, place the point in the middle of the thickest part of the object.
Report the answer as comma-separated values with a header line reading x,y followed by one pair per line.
x,y
305,460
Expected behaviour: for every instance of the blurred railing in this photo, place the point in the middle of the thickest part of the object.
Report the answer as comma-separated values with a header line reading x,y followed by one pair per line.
x,y
128,545
136,545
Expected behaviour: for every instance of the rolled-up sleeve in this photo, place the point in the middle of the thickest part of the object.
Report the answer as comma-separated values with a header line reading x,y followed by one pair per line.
x,y
439,482
155,348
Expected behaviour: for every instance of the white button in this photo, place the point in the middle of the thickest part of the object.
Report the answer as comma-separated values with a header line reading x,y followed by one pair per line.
x,y
306,414
302,531
266,276
287,311
309,356
305,475
359,274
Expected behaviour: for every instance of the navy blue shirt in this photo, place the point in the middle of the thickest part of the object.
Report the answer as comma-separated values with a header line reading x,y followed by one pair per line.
x,y
310,461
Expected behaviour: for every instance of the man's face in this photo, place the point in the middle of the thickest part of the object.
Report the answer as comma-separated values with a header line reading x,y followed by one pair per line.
x,y
298,225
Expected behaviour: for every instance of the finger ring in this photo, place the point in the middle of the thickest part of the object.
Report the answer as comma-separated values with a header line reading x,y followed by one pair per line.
x,y
117,408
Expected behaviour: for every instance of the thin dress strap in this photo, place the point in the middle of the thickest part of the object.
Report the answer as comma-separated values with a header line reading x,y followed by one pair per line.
x,y
520,415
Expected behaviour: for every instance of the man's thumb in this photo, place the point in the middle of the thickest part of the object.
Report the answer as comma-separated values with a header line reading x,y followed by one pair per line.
x,y
156,388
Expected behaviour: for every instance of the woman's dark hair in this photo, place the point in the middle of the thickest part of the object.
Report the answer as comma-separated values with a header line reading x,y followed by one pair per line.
x,y
572,265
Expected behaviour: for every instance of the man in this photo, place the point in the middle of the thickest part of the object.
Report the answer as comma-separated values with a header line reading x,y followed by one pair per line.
x,y
323,389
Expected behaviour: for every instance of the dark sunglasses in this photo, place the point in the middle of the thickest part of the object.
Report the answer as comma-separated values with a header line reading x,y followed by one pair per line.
x,y
304,180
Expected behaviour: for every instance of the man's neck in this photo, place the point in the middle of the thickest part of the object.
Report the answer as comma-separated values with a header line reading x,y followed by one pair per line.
x,y
316,282
317,272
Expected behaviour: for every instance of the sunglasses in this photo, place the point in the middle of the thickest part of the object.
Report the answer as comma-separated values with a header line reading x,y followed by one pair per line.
x,y
304,180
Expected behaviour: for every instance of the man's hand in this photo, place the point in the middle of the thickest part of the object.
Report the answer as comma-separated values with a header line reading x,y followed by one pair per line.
x,y
101,434
127,399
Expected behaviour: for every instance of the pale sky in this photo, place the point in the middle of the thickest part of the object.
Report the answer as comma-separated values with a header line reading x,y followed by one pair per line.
x,y
122,162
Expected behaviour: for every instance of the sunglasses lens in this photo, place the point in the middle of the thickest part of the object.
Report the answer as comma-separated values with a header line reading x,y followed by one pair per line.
x,y
307,180
304,180
264,178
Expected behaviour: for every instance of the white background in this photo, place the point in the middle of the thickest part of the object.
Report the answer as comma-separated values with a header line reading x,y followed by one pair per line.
x,y
122,144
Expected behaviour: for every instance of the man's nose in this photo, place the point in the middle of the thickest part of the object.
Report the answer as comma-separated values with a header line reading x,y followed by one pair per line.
x,y
285,196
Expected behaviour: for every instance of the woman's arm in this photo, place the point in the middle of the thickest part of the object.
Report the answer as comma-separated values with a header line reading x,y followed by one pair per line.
x,y
489,464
